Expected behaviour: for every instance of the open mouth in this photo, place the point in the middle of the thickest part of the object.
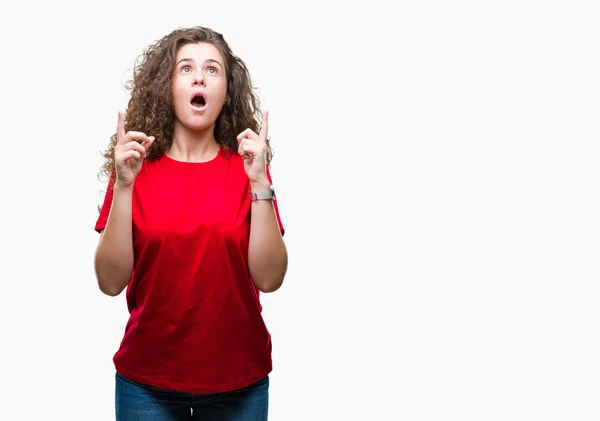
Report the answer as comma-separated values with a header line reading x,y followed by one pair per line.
x,y
198,101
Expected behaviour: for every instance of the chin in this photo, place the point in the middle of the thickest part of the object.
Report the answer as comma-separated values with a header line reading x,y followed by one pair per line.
x,y
197,123
198,126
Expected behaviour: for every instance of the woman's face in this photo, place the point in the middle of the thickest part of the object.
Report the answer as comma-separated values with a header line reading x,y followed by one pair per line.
x,y
199,85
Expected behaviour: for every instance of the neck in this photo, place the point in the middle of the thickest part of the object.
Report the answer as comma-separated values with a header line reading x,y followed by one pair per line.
x,y
193,146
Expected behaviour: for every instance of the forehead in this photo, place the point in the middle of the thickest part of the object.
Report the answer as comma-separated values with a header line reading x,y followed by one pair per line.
x,y
199,52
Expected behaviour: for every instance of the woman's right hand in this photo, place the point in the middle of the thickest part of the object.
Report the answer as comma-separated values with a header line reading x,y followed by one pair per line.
x,y
129,153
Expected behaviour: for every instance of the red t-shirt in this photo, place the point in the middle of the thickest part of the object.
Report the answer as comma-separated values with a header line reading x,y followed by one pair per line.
x,y
195,321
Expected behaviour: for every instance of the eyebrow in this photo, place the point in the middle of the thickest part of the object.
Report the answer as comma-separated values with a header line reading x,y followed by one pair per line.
x,y
210,60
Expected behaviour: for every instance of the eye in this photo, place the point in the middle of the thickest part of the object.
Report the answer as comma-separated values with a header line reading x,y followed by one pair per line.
x,y
186,69
211,69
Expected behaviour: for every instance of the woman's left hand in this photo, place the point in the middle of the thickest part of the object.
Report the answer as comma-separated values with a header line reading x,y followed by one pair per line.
x,y
253,149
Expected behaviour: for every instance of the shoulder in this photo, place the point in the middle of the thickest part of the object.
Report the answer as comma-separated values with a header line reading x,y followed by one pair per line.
x,y
230,155
231,161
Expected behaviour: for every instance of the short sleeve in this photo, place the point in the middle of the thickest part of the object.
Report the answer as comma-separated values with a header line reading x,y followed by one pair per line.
x,y
105,210
281,228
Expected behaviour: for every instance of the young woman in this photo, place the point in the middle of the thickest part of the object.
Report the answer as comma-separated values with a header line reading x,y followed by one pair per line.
x,y
190,226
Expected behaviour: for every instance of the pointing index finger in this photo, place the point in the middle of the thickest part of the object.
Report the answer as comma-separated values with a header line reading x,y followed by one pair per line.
x,y
120,128
264,130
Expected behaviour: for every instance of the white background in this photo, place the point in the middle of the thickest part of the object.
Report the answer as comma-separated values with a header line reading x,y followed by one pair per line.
x,y
437,172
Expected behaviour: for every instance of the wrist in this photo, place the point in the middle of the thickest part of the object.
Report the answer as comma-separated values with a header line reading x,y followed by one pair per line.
x,y
123,188
260,185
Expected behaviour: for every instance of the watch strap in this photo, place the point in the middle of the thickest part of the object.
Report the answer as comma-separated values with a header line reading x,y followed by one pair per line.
x,y
262,195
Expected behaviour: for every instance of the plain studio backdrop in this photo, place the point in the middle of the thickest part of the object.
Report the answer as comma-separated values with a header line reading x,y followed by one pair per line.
x,y
436,165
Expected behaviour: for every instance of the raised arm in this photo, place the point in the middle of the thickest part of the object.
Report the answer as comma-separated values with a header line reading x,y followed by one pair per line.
x,y
113,260
267,253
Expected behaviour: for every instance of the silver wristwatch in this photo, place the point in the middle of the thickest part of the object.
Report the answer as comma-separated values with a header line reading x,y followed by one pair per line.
x,y
263,195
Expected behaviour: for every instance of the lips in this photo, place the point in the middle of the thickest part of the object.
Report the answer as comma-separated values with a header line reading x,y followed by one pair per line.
x,y
198,100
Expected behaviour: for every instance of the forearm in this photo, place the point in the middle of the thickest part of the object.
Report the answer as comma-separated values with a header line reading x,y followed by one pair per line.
x,y
114,255
267,254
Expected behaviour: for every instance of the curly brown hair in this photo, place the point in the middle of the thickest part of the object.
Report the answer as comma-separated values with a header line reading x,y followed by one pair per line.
x,y
150,108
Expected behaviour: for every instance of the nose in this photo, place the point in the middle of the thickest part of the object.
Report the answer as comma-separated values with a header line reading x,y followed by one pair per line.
x,y
199,79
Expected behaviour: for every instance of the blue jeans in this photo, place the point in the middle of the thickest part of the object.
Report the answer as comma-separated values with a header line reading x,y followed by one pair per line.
x,y
137,402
